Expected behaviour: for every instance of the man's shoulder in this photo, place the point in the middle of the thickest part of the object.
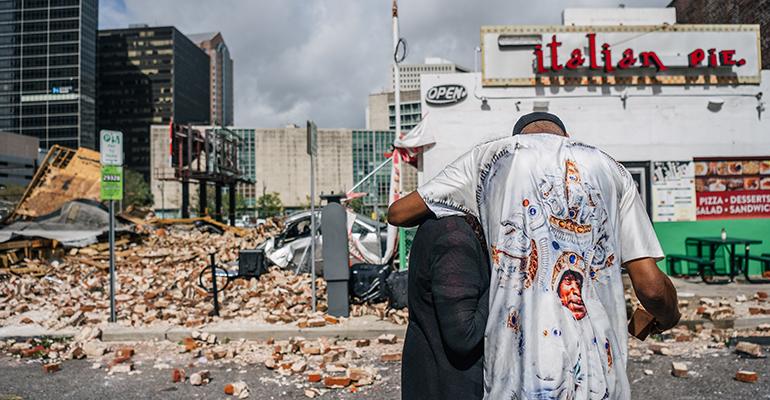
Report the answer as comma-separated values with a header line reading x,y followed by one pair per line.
x,y
598,154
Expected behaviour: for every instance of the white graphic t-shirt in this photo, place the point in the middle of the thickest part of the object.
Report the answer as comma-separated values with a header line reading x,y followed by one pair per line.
x,y
560,217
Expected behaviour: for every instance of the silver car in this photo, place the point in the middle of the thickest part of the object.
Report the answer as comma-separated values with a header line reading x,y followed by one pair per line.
x,y
291,248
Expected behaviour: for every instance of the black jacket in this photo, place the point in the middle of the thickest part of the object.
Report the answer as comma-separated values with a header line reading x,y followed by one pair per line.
x,y
448,309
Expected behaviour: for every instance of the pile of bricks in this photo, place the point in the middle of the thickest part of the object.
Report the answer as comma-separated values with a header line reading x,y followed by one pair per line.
x,y
157,283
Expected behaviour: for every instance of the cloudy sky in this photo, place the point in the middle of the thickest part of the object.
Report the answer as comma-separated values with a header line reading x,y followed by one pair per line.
x,y
318,59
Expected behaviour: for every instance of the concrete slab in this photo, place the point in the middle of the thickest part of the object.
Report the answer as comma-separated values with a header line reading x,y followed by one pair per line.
x,y
750,323
177,333
32,330
119,333
367,327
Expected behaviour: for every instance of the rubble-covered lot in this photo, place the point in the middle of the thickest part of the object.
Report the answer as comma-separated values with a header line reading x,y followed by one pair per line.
x,y
164,370
157,284
161,370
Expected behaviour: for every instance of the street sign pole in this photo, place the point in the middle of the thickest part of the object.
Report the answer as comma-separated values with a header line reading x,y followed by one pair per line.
x,y
312,149
112,261
111,189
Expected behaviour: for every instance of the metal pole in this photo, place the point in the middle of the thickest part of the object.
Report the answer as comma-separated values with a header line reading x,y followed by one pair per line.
x,y
112,261
312,229
214,284
376,195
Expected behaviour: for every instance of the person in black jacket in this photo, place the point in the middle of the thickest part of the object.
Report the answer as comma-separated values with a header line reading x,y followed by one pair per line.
x,y
448,308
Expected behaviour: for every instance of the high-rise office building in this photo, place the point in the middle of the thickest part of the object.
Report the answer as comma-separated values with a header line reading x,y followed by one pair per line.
x,y
47,70
409,74
149,75
221,76
369,148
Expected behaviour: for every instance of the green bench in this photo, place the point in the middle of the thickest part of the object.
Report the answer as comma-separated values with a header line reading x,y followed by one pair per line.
x,y
705,266
763,260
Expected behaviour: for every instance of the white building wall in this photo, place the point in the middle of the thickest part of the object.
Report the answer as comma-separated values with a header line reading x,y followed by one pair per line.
x,y
656,123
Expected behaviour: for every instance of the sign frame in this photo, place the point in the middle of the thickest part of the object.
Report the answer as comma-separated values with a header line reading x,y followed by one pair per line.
x,y
601,79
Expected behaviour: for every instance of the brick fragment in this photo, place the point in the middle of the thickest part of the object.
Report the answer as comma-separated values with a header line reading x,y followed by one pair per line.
x,y
200,378
362,343
229,389
749,349
660,349
51,367
390,357
189,344
316,322
679,369
177,375
299,367
124,352
387,338
123,367
746,376
336,381
314,377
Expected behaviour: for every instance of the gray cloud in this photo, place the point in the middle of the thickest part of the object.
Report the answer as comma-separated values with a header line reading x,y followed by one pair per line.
x,y
302,59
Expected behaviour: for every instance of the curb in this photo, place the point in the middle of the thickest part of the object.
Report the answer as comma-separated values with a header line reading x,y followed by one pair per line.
x,y
740,323
352,330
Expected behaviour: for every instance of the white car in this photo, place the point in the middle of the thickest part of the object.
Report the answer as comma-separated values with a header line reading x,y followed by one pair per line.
x,y
291,248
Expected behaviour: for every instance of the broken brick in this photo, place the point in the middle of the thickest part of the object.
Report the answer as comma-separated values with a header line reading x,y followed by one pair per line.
x,y
189,344
387,338
229,390
746,376
390,357
679,369
362,343
177,375
314,377
336,381
749,349
51,368
200,378
124,352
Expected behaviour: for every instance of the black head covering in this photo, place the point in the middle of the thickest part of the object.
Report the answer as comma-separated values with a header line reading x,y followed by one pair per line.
x,y
536,116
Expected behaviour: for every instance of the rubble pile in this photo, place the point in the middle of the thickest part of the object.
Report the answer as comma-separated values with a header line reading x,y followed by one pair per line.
x,y
157,283
701,340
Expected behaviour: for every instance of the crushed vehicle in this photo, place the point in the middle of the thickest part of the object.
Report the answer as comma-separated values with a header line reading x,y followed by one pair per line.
x,y
291,248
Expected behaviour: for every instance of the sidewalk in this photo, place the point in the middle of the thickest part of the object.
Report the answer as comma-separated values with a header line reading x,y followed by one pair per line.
x,y
366,327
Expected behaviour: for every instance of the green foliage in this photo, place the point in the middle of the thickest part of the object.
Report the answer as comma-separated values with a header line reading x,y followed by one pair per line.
x,y
136,190
357,205
12,192
269,205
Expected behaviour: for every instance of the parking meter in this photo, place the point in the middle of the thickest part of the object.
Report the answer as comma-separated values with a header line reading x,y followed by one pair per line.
x,y
336,258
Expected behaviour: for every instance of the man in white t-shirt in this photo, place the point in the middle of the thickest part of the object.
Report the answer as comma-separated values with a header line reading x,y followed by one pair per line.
x,y
561,219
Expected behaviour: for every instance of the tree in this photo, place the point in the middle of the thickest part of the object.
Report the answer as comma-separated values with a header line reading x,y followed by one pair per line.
x,y
269,205
357,205
136,190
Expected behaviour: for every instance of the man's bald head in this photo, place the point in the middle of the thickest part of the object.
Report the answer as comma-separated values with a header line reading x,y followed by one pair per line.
x,y
543,127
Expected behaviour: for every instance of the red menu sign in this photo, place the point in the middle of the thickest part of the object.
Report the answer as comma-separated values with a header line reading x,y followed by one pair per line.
x,y
732,188
734,204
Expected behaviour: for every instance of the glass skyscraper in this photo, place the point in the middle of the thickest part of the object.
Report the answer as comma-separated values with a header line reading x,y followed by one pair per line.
x,y
369,148
150,75
48,70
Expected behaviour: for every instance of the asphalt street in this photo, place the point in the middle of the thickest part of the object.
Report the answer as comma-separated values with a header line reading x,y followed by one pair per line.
x,y
711,377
